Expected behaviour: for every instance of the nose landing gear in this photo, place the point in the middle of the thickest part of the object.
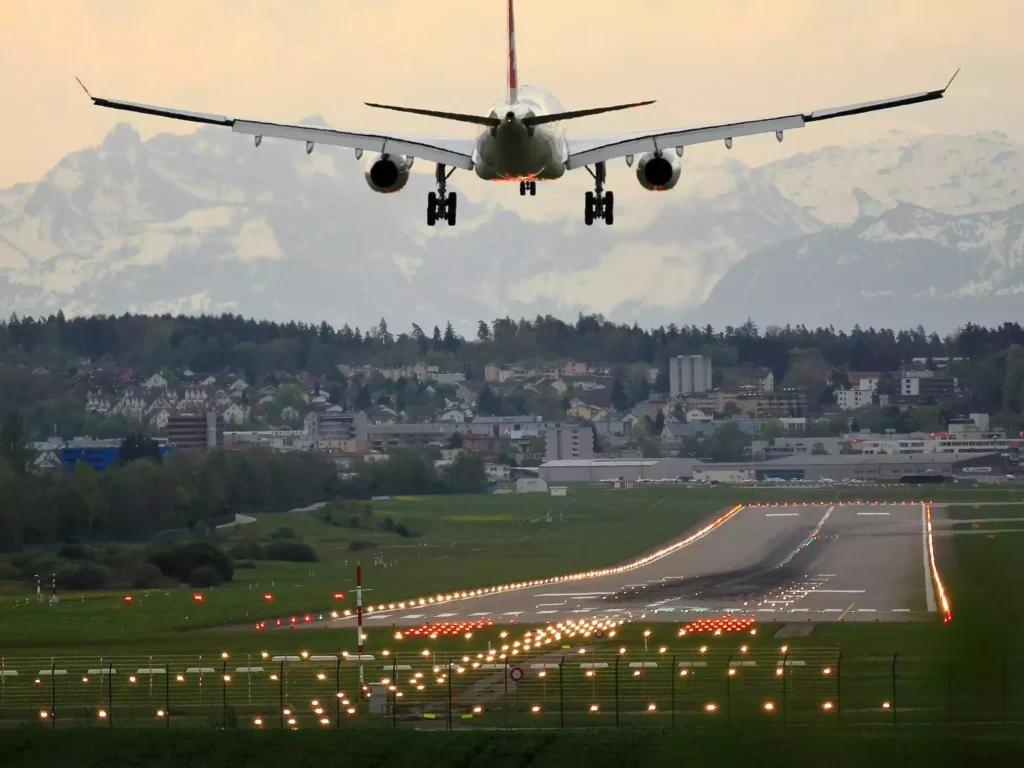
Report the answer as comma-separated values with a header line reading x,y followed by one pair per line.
x,y
441,205
528,186
599,204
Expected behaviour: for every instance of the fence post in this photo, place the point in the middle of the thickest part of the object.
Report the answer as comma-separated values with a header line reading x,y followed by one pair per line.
x,y
224,694
1006,685
617,657
894,657
672,682
839,689
167,694
110,695
337,692
394,692
449,693
504,705
785,668
728,691
949,688
53,694
561,694
280,695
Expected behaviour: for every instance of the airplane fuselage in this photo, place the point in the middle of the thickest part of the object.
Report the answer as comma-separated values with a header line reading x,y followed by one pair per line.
x,y
512,151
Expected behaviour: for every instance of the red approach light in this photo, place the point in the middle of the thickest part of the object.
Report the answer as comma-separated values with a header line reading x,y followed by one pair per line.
x,y
268,597
197,597
339,595
306,618
127,598
293,619
278,623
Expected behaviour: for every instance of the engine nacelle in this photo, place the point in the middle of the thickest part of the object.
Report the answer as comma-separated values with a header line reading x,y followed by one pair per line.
x,y
658,171
387,173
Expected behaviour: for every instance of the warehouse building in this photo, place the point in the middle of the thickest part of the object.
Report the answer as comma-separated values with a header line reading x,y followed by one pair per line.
x,y
564,471
867,467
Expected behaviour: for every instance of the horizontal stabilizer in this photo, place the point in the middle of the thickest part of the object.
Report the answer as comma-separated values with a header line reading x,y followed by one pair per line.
x,y
475,119
559,116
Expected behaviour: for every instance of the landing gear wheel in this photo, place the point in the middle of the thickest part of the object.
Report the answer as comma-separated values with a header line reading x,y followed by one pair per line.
x,y
431,209
453,201
522,188
533,189
600,204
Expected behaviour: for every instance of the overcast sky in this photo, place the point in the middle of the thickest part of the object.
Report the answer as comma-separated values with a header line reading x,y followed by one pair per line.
x,y
704,61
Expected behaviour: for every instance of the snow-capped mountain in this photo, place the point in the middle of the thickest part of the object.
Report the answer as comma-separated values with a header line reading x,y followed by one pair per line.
x,y
206,223
909,266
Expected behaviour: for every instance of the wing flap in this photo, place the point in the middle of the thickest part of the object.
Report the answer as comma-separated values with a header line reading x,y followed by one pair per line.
x,y
452,151
585,151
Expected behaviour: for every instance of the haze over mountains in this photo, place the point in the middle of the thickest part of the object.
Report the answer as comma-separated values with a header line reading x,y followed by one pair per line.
x,y
907,230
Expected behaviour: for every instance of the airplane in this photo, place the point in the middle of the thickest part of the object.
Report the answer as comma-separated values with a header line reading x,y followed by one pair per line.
x,y
523,139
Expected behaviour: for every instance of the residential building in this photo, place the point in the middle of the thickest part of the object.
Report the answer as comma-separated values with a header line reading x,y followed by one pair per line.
x,y
156,381
382,437
508,427
235,414
571,368
449,378
863,381
688,373
697,416
498,473
918,385
196,430
852,399
569,442
335,423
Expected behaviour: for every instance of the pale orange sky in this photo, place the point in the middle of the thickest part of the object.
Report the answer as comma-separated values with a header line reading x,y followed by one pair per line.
x,y
704,61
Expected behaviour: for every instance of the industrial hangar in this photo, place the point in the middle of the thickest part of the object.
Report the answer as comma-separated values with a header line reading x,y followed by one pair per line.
x,y
856,467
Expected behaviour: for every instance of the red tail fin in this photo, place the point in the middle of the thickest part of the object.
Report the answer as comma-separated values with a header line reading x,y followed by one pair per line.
x,y
513,71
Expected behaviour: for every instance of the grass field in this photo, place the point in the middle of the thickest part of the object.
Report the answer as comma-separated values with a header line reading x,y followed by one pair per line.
x,y
471,541
881,747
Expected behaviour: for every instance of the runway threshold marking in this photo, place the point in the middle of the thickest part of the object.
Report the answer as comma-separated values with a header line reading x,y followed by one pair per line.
x,y
843,614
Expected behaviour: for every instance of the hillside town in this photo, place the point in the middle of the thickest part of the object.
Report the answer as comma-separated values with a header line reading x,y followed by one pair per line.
x,y
688,418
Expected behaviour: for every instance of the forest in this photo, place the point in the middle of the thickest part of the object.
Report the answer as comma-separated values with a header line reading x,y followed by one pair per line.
x,y
989,362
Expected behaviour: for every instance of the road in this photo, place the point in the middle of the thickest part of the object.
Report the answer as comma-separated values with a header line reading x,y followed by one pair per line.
x,y
787,563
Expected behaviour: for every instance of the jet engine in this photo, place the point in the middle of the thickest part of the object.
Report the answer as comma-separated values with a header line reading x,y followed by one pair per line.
x,y
387,173
657,171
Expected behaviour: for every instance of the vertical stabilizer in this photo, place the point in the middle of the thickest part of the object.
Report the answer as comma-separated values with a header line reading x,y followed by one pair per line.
x,y
513,70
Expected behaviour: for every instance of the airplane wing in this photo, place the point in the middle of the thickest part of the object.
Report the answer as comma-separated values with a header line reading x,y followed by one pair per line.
x,y
593,149
451,151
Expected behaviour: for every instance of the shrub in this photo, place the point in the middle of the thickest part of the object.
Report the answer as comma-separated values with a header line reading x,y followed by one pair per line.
x,y
83,575
146,576
178,561
76,552
204,576
402,530
247,550
358,545
283,533
291,551
9,572
389,524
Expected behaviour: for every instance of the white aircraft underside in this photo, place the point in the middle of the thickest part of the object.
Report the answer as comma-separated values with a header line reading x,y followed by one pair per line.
x,y
522,140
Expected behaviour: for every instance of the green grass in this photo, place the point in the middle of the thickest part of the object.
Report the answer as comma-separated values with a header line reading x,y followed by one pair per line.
x,y
792,748
460,542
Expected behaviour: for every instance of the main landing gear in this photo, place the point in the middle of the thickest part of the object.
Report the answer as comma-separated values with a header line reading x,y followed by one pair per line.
x,y
600,204
441,205
528,186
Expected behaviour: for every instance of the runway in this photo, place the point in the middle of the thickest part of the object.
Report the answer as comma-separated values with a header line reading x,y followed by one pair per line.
x,y
819,563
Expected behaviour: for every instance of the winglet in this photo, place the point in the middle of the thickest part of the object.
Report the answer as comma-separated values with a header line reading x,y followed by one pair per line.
x,y
83,87
951,79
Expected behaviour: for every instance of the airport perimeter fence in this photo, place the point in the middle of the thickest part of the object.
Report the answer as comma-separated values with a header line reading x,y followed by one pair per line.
x,y
559,689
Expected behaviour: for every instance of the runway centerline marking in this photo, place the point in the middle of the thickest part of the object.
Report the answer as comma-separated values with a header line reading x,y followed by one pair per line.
x,y
574,594
782,514
839,591
874,514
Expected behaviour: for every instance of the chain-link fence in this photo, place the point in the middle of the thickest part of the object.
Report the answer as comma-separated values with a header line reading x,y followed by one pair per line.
x,y
565,688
